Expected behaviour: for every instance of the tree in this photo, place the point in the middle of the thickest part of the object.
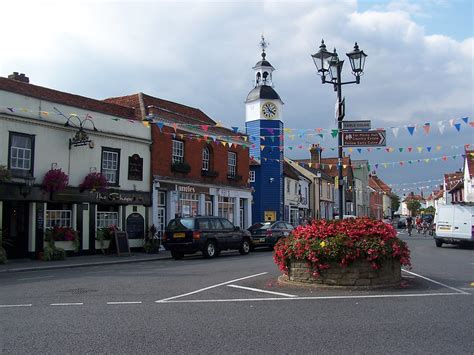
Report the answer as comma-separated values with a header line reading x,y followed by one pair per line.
x,y
395,203
429,210
413,206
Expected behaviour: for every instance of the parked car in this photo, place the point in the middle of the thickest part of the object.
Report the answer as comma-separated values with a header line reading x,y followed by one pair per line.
x,y
267,234
454,224
345,216
208,234
402,222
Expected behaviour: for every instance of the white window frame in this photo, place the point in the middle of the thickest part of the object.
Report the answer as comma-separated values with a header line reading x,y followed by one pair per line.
x,y
251,176
110,165
106,219
20,157
231,163
177,155
206,155
63,216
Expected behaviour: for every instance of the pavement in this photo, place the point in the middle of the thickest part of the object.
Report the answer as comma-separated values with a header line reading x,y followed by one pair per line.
x,y
19,265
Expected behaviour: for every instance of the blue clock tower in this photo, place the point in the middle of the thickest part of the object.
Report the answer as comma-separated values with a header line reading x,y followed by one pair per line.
x,y
264,126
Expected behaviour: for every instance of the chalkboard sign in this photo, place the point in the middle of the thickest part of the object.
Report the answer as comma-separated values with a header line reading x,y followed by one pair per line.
x,y
135,226
135,167
119,244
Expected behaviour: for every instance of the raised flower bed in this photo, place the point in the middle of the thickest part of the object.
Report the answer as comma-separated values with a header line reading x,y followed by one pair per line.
x,y
58,241
351,252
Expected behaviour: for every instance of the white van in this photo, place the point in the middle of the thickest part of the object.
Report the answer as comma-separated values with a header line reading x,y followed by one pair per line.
x,y
454,224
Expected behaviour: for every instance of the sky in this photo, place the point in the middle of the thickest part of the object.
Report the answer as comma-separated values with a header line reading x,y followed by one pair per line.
x,y
419,67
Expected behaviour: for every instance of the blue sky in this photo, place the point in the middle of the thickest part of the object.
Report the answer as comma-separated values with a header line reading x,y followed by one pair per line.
x,y
419,67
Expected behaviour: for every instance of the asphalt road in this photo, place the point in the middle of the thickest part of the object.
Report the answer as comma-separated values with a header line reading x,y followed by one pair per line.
x,y
234,304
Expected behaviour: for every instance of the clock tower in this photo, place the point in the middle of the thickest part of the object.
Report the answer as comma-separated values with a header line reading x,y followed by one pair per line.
x,y
264,126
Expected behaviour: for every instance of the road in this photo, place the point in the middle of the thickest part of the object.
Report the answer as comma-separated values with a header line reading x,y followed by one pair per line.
x,y
234,304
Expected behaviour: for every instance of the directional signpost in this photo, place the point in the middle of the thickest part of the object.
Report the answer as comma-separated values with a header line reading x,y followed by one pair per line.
x,y
356,125
363,139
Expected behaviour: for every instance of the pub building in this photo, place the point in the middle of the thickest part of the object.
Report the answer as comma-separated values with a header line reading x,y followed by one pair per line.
x,y
44,130
198,167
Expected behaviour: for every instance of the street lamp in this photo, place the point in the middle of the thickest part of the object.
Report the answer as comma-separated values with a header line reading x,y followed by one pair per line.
x,y
329,63
25,189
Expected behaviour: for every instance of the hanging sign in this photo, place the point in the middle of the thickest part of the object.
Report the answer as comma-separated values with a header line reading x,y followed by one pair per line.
x,y
358,139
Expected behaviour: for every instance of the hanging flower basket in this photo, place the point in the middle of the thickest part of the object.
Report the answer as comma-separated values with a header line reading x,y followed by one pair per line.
x,y
94,182
5,174
55,180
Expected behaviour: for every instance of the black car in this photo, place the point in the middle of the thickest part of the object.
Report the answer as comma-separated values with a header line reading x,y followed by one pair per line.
x,y
267,234
208,234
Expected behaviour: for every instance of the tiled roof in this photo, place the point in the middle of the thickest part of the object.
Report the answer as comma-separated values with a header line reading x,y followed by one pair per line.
x,y
459,185
374,184
452,179
85,103
174,112
382,185
254,162
289,171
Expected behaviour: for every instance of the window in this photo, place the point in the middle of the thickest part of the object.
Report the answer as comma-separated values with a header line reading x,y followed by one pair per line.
x,y
226,224
226,207
252,176
296,187
288,186
107,219
21,154
110,165
205,159
187,205
58,218
232,164
178,152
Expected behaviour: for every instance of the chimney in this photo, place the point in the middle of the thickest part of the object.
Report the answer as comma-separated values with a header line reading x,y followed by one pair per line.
x,y
315,152
19,77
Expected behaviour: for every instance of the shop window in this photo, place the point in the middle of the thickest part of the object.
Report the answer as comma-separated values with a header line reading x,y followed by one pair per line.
x,y
188,204
178,152
106,217
226,207
110,165
232,164
58,217
21,157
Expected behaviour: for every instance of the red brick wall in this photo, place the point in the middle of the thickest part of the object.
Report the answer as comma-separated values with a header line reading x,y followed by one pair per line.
x,y
376,205
161,158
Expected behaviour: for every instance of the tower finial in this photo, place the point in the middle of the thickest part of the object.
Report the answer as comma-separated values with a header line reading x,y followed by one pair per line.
x,y
263,45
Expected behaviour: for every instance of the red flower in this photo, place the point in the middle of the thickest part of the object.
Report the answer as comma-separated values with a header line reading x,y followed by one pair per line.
x,y
55,180
94,182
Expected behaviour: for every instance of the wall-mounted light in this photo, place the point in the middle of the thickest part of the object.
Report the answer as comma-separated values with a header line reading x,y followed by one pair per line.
x,y
25,189
271,180
92,169
54,165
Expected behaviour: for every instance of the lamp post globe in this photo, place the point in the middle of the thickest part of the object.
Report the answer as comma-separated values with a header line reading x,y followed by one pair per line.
x,y
321,60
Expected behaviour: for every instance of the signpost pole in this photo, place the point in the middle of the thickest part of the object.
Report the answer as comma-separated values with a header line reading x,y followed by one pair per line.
x,y
340,117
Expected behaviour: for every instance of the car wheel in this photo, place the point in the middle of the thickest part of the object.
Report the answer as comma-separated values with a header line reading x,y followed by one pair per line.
x,y
439,243
210,249
244,247
177,255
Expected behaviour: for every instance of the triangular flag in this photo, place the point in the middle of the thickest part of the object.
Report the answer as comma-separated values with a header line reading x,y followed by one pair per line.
x,y
411,129
160,125
330,166
419,149
235,129
427,160
359,150
376,166
465,119
400,149
441,127
428,149
175,126
334,133
458,126
401,163
262,147
410,149
350,150
395,131
426,128
146,124
471,123
451,122
444,157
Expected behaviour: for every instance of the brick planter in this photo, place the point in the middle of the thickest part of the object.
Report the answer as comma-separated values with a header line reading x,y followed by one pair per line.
x,y
359,274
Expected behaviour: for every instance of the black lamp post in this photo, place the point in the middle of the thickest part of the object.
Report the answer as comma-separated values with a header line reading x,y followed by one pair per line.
x,y
25,189
329,63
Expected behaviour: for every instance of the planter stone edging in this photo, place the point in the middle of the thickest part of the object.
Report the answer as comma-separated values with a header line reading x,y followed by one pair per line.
x,y
359,275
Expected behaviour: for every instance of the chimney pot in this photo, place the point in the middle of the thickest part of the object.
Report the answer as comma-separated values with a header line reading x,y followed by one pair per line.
x,y
19,77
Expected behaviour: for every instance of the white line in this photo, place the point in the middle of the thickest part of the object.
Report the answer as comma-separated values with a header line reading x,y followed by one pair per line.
x,y
15,305
209,287
317,298
438,283
67,304
264,291
130,302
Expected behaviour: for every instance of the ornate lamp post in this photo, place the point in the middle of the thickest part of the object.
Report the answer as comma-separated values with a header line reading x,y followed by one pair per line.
x,y
329,63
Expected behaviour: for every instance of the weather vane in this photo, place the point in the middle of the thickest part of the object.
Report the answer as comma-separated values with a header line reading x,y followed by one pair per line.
x,y
263,44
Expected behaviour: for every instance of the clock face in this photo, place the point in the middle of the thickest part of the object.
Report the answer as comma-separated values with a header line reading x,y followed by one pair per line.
x,y
269,110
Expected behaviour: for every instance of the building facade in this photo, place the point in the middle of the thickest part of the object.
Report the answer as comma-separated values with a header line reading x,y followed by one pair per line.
x,y
297,188
44,130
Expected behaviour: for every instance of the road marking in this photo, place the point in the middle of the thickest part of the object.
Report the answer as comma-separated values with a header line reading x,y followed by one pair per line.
x,y
35,278
318,298
438,283
67,304
264,291
466,289
126,302
210,287
15,305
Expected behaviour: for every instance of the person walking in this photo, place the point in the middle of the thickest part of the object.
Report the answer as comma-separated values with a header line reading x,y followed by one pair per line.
x,y
409,225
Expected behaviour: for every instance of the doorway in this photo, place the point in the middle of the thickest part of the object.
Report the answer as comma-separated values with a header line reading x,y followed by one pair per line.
x,y
15,228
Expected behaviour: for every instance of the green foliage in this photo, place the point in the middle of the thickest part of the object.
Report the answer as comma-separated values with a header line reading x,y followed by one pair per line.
x,y
5,174
395,202
53,253
413,206
152,241
429,210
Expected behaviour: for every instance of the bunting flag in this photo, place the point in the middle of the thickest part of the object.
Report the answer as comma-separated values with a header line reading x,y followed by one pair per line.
x,y
465,119
419,149
410,149
411,129
400,149
160,126
334,133
235,129
359,150
395,131
458,127
426,128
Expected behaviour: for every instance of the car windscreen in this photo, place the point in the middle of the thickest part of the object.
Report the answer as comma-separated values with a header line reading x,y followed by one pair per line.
x,y
181,224
265,225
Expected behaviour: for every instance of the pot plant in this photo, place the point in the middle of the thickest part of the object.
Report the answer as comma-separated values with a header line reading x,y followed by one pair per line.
x,y
5,174
152,241
351,252
94,182
64,237
104,235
